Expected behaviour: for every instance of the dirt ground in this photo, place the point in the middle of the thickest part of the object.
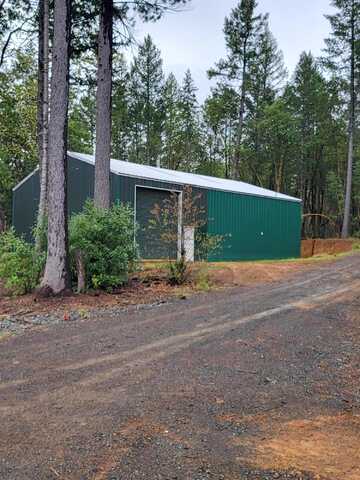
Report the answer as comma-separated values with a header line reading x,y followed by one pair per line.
x,y
151,286
329,246
255,382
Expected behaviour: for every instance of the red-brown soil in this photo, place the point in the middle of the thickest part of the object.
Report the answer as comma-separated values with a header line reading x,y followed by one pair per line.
x,y
151,286
330,246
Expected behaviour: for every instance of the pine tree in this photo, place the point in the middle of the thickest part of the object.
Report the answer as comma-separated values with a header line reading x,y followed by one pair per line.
x,y
220,117
267,72
148,11
266,77
43,113
241,35
82,120
18,142
343,57
56,278
82,104
120,109
103,106
190,126
146,87
278,130
171,151
356,198
313,103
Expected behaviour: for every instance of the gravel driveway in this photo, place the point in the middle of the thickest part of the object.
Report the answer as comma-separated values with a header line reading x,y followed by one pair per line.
x,y
249,383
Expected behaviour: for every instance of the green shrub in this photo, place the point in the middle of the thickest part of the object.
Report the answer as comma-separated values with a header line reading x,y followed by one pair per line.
x,y
178,271
208,244
106,240
20,266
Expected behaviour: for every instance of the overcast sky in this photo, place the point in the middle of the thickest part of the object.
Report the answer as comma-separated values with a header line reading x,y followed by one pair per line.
x,y
194,39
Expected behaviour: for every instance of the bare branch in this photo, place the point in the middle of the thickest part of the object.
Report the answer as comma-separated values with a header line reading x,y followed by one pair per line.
x,y
6,44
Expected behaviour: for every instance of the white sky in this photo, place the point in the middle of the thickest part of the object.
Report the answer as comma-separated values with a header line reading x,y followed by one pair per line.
x,y
194,39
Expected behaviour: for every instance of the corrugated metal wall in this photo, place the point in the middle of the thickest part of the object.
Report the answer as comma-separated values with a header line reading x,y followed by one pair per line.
x,y
80,188
254,228
26,196
25,203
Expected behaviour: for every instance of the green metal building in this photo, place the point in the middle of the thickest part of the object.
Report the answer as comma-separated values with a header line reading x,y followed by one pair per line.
x,y
256,223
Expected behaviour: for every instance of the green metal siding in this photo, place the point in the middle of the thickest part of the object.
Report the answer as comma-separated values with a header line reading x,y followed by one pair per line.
x,y
255,228
25,206
80,185
241,218
80,188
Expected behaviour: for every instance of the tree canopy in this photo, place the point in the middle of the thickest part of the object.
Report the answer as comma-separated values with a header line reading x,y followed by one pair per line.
x,y
258,124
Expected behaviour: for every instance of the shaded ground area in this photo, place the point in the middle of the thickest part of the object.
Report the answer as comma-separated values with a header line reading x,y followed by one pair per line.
x,y
150,286
251,383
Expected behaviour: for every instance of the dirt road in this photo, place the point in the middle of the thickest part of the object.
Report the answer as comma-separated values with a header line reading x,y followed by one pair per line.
x,y
251,383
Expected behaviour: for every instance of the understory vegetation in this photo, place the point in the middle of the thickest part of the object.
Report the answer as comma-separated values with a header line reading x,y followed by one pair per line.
x,y
165,221
103,252
20,265
102,246
104,240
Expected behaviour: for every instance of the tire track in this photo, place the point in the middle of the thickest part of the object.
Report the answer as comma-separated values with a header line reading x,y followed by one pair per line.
x,y
168,346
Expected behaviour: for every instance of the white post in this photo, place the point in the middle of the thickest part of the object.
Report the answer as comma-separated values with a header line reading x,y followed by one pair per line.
x,y
180,226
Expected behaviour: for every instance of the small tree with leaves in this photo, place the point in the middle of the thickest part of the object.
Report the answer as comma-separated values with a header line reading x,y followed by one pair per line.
x,y
187,211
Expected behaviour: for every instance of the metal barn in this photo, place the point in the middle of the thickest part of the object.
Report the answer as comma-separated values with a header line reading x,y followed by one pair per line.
x,y
256,223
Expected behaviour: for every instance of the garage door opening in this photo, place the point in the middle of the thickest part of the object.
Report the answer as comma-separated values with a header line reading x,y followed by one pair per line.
x,y
149,236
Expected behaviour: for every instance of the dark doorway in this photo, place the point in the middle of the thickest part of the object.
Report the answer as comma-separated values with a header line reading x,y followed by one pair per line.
x,y
151,245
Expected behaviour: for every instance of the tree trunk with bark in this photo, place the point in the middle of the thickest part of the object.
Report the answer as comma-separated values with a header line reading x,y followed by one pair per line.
x,y
2,220
81,272
350,160
43,115
103,107
240,128
56,278
40,92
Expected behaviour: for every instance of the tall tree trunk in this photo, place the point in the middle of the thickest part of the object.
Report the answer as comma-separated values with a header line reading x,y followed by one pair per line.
x,y
103,107
347,210
148,110
56,278
2,220
40,91
240,128
43,114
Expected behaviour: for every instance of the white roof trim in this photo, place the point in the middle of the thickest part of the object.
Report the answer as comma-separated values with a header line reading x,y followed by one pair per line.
x,y
25,179
129,169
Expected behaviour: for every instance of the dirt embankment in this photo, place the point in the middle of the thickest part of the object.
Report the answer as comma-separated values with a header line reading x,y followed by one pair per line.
x,y
329,246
